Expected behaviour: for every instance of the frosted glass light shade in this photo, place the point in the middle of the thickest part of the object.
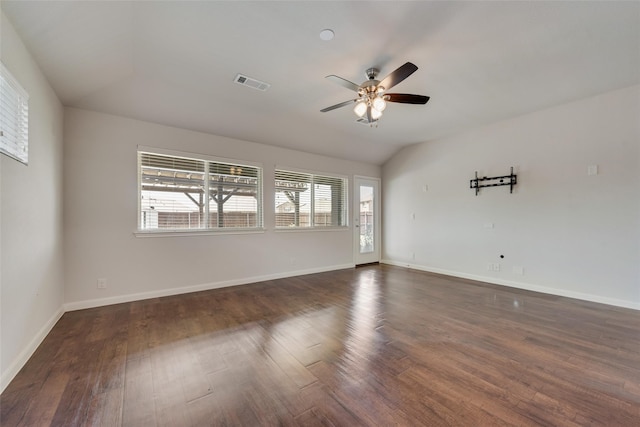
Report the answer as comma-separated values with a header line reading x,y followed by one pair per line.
x,y
360,109
379,104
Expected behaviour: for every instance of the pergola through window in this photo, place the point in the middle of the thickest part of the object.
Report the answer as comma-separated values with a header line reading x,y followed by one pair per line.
x,y
309,200
179,193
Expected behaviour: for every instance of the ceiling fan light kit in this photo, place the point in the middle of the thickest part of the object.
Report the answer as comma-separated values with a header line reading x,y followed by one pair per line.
x,y
372,99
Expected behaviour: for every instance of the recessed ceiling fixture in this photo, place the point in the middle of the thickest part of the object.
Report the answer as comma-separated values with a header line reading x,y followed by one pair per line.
x,y
326,34
372,99
251,82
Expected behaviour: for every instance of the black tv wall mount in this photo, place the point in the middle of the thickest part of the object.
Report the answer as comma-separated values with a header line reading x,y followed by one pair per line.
x,y
494,181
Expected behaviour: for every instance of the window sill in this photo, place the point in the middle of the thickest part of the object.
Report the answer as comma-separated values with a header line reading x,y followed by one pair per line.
x,y
189,233
314,229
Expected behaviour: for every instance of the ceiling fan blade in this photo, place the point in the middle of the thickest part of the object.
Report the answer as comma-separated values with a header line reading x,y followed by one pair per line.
x,y
398,75
343,82
342,104
406,98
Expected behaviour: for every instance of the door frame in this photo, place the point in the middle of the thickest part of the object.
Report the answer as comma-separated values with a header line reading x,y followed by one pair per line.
x,y
358,258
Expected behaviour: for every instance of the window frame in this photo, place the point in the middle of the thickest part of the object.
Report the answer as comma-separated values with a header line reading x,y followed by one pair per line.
x,y
314,176
208,159
14,144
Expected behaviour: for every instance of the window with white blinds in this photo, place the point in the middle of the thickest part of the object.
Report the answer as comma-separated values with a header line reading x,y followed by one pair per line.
x,y
14,117
309,200
182,193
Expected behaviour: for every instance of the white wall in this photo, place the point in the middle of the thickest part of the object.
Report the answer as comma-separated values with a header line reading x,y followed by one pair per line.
x,y
573,234
31,278
100,199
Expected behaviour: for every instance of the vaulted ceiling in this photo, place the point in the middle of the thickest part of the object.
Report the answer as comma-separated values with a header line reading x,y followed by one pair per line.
x,y
174,63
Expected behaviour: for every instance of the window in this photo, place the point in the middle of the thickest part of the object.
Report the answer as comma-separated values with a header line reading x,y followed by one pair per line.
x,y
308,200
179,193
14,118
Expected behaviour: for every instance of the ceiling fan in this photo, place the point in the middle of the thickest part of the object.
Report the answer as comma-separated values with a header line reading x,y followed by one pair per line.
x,y
372,97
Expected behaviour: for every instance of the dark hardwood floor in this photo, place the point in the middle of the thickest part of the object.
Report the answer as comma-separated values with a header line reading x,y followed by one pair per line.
x,y
372,346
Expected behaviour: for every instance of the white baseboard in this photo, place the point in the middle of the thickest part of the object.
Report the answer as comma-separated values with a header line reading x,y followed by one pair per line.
x,y
519,285
99,302
22,358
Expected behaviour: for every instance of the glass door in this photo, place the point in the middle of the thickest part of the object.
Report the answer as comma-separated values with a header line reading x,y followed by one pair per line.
x,y
367,220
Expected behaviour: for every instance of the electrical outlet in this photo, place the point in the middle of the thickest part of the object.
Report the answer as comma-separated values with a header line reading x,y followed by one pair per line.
x,y
101,284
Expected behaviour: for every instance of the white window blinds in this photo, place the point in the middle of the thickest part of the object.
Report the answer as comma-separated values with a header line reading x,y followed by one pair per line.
x,y
309,200
181,193
14,117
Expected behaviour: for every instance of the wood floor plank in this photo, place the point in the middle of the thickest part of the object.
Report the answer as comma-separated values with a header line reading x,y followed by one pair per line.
x,y
370,346
138,401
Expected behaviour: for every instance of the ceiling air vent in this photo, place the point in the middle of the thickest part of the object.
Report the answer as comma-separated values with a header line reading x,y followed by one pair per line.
x,y
252,83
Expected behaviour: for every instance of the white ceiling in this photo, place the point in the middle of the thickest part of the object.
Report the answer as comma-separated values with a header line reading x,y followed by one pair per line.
x,y
174,63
